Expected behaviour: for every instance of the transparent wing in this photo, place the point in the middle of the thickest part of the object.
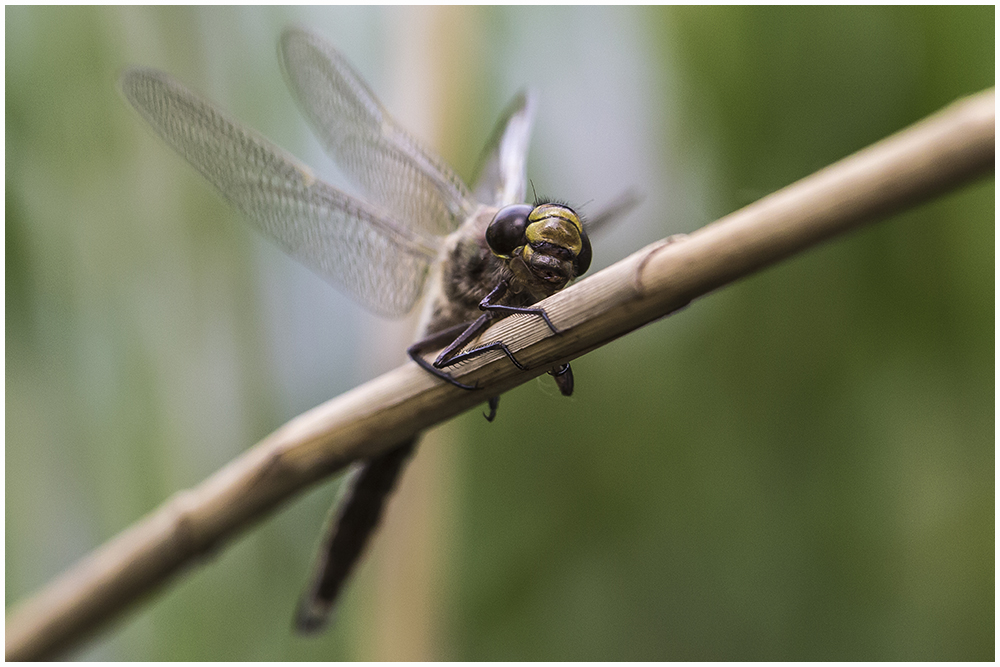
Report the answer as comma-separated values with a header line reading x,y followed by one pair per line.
x,y
378,261
503,177
390,167
619,207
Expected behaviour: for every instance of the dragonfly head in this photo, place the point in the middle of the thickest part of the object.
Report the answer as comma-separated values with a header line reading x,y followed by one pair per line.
x,y
548,239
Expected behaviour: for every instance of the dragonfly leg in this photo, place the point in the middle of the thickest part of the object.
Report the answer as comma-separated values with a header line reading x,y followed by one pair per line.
x,y
451,354
563,375
488,304
435,340
416,350
527,311
467,331
470,331
476,351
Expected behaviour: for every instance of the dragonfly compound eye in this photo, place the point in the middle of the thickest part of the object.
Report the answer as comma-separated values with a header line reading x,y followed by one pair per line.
x,y
506,233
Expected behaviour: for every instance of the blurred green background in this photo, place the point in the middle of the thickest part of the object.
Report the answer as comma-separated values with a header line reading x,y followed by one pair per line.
x,y
799,467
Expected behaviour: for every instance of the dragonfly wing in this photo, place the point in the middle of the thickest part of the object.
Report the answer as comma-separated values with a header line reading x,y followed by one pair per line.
x,y
619,207
503,177
362,249
389,165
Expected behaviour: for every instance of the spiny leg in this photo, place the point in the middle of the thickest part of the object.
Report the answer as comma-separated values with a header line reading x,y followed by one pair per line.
x,y
489,304
471,330
434,341
451,354
468,331
443,362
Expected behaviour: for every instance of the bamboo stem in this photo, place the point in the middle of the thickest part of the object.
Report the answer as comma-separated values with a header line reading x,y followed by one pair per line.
x,y
942,152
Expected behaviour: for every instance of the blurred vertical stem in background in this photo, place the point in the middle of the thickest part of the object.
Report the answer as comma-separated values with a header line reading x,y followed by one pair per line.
x,y
435,70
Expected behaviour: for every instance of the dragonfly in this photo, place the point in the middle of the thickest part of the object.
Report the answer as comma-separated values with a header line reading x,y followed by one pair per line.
x,y
475,254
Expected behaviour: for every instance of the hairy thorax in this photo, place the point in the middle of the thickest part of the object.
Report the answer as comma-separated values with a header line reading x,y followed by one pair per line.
x,y
468,272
